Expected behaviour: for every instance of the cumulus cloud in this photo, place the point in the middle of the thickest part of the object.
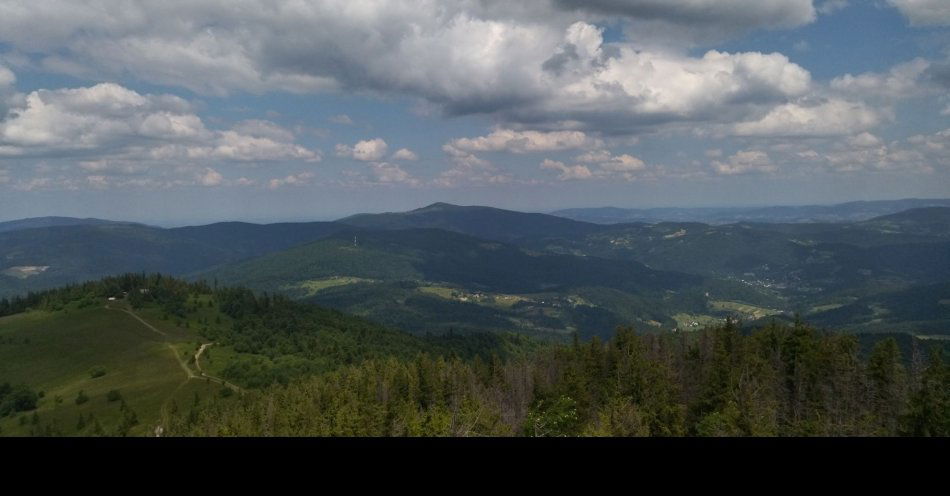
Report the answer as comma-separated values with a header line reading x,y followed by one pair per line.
x,y
829,7
210,177
744,162
712,19
831,117
567,172
405,154
924,12
540,64
468,168
367,150
599,164
387,173
901,81
525,141
291,180
110,120
341,119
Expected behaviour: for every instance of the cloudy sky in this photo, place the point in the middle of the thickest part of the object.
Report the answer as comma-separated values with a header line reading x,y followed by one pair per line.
x,y
190,111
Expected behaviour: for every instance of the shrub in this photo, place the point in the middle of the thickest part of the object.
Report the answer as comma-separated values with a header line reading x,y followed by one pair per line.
x,y
97,372
113,395
81,398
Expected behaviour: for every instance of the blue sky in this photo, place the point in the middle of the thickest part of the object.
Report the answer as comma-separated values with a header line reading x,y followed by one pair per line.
x,y
189,112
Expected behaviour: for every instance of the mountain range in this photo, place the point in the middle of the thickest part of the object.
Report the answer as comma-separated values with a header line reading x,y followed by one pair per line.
x,y
445,267
843,212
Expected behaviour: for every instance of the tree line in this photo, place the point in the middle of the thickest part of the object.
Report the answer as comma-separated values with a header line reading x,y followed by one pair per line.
x,y
781,380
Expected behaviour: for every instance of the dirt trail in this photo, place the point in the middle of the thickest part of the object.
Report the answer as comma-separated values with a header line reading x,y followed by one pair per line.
x,y
190,374
210,377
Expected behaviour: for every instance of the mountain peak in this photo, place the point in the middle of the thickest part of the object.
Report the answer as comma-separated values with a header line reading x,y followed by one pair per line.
x,y
437,206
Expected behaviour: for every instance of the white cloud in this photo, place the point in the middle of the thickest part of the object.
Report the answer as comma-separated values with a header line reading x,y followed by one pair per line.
x,y
743,162
291,180
525,141
864,140
210,177
534,63
387,173
829,7
264,129
341,119
108,120
703,19
467,168
567,172
903,80
605,166
7,78
829,118
367,150
405,154
924,12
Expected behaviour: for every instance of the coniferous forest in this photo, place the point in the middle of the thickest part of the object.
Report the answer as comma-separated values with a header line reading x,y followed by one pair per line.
x,y
778,381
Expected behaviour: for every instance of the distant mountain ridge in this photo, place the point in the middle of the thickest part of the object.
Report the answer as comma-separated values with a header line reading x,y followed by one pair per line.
x,y
843,212
40,222
482,222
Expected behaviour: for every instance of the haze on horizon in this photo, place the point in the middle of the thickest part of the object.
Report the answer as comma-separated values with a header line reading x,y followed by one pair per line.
x,y
200,111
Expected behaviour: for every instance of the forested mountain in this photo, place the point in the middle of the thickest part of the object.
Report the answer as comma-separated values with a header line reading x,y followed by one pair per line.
x,y
446,267
37,222
111,357
481,222
777,381
40,258
844,212
139,355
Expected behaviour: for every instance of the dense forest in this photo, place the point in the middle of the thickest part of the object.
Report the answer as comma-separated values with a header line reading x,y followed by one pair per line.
x,y
782,380
313,371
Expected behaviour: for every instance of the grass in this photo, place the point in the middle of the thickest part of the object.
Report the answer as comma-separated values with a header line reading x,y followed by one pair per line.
x,y
314,286
499,300
55,352
743,308
685,321
825,308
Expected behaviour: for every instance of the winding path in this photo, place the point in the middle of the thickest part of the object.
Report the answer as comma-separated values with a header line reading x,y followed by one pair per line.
x,y
190,373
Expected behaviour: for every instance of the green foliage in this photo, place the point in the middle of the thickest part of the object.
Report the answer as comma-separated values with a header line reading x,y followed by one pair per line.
x,y
81,397
15,399
97,372
113,395
552,418
778,381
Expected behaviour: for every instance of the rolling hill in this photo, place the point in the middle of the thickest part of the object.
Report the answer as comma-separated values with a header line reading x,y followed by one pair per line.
x,y
844,212
107,365
481,222
38,222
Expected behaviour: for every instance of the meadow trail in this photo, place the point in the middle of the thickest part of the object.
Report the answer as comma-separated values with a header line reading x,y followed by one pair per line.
x,y
212,378
190,374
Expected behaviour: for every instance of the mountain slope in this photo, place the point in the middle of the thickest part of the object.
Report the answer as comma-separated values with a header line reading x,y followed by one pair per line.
x,y
844,212
40,258
441,256
481,222
38,222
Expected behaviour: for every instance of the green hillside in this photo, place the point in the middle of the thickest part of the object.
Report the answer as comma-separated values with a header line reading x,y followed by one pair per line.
x,y
427,280
60,352
160,345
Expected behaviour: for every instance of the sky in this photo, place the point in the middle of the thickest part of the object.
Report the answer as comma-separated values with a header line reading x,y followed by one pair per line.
x,y
193,111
